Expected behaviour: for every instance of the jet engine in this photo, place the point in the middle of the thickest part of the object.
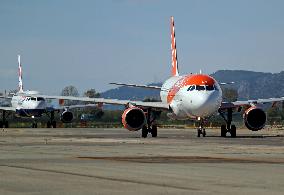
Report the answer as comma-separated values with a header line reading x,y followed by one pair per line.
x,y
66,116
254,118
133,118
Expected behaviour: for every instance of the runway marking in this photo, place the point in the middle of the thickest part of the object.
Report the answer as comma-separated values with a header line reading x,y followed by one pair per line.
x,y
185,159
102,177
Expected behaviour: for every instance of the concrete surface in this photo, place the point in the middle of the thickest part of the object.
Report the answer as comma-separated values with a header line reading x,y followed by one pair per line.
x,y
108,161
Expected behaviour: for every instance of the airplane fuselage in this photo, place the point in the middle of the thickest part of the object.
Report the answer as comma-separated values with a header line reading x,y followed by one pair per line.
x,y
28,106
192,96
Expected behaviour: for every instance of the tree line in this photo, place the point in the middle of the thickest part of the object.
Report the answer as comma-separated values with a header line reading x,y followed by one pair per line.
x,y
98,116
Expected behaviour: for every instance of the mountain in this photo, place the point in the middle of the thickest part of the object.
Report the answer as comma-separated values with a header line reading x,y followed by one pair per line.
x,y
252,85
132,93
249,84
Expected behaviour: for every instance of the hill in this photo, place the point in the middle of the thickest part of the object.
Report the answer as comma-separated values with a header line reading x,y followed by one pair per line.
x,y
251,85
132,93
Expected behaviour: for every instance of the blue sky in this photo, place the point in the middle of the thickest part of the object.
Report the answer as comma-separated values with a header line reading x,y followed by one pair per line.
x,y
89,43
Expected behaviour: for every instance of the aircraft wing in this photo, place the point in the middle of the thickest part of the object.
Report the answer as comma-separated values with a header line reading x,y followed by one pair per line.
x,y
225,105
8,108
73,106
139,86
6,97
158,105
81,106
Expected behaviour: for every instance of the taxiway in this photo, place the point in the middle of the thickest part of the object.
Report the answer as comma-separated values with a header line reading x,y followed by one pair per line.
x,y
106,161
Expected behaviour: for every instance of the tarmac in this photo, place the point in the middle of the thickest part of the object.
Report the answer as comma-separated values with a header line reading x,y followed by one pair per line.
x,y
116,161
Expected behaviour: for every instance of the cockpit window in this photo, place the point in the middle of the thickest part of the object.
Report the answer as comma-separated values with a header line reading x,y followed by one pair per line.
x,y
200,87
209,87
40,99
191,88
33,98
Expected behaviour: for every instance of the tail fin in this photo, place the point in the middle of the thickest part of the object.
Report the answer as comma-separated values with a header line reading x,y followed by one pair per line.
x,y
174,49
20,74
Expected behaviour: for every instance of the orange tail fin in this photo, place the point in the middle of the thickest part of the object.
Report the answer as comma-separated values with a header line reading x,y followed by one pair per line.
x,y
174,49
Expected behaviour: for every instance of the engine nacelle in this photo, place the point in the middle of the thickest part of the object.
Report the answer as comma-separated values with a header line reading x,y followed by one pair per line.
x,y
133,119
254,118
66,116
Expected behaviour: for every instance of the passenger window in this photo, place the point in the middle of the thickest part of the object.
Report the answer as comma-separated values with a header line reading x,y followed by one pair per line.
x,y
33,99
191,88
209,87
200,87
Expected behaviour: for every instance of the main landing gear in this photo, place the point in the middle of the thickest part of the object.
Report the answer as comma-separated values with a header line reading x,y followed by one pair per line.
x,y
4,123
150,127
228,127
51,123
201,130
34,125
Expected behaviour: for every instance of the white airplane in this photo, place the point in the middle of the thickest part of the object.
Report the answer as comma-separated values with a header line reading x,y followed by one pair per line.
x,y
30,104
190,96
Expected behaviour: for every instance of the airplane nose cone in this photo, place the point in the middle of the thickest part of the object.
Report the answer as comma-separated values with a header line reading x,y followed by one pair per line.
x,y
205,104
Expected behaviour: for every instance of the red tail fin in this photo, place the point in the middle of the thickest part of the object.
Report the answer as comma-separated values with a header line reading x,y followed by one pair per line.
x,y
20,74
174,49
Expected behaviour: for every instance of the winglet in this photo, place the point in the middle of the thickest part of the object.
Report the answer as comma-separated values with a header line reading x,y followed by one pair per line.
x,y
174,50
20,74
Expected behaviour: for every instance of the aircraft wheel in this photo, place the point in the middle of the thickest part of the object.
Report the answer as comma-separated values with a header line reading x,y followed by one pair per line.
x,y
199,132
203,132
223,130
233,131
154,131
144,131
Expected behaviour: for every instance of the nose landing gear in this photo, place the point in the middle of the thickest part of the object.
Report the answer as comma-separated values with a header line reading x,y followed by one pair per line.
x,y
201,130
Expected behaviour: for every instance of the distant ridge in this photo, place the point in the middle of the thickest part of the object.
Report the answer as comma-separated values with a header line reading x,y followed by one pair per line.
x,y
249,84
132,93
